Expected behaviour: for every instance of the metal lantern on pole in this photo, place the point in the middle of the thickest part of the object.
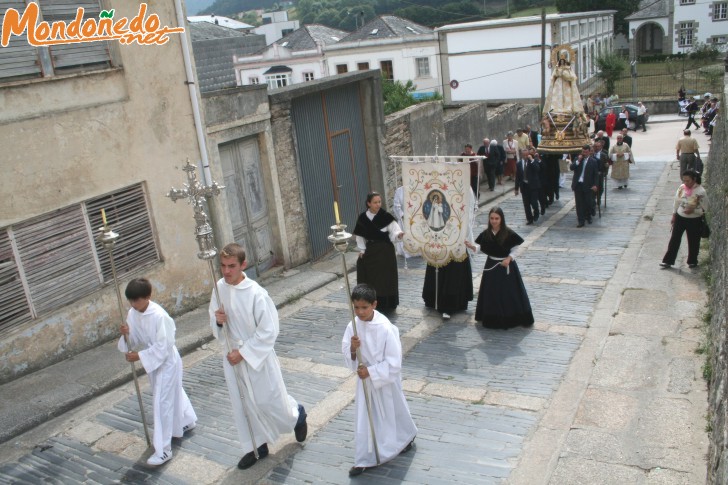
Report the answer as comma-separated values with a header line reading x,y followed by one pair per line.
x,y
340,240
196,193
108,238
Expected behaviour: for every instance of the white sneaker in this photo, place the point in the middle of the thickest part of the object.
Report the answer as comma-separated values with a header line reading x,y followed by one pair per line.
x,y
156,460
189,427
446,316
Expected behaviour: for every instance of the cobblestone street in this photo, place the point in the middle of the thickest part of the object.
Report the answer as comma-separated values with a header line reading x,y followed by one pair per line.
x,y
476,395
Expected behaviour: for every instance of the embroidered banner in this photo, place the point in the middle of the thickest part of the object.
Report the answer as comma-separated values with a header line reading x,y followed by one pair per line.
x,y
438,203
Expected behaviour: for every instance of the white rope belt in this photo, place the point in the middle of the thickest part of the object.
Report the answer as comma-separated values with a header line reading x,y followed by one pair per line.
x,y
508,268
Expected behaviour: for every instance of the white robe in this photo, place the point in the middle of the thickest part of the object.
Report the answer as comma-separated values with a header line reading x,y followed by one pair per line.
x,y
153,332
381,352
252,319
435,221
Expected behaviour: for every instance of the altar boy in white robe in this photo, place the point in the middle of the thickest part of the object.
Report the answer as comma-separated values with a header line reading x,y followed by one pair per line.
x,y
150,328
381,352
252,321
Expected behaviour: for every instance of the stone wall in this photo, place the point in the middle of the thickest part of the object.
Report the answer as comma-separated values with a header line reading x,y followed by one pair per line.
x,y
412,130
716,185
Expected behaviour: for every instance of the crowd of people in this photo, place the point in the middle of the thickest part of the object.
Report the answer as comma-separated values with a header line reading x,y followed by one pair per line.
x,y
243,316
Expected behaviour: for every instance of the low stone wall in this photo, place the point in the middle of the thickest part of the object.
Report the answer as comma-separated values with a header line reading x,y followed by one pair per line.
x,y
413,130
716,185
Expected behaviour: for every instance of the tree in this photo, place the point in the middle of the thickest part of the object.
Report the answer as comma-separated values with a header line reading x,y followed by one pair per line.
x,y
611,67
623,8
398,95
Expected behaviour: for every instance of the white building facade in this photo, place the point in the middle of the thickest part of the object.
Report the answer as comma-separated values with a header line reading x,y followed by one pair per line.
x,y
276,26
677,26
695,22
500,60
401,49
296,58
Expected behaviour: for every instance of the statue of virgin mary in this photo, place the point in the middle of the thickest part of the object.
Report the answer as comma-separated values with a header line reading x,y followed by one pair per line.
x,y
564,125
563,94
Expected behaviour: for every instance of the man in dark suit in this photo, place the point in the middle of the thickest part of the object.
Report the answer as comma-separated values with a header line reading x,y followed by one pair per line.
x,y
584,184
603,165
626,138
604,138
489,164
543,178
528,182
533,135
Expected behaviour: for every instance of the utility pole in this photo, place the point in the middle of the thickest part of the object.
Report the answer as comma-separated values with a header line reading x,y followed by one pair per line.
x,y
543,59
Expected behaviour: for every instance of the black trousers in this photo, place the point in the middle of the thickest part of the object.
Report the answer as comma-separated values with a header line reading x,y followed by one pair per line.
x,y
691,121
584,198
489,169
530,202
553,174
641,122
691,225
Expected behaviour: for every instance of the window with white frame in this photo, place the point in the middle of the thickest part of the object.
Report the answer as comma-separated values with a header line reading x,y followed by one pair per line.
x,y
52,260
564,33
591,27
599,26
20,60
308,76
423,66
687,2
720,11
685,35
582,29
585,66
278,80
253,80
717,39
592,59
574,32
387,68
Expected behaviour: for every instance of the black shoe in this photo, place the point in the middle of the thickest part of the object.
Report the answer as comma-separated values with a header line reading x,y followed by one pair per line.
x,y
356,471
589,220
529,223
693,265
581,224
543,212
625,186
557,196
249,459
408,447
665,265
619,188
301,429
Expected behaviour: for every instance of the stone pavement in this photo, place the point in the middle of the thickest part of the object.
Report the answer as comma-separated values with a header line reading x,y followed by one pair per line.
x,y
605,388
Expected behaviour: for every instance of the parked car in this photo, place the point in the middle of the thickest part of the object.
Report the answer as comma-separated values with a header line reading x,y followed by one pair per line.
x,y
601,122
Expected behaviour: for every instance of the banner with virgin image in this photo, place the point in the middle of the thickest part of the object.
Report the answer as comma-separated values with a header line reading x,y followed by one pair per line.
x,y
438,203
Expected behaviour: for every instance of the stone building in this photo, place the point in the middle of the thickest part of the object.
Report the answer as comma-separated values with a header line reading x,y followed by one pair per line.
x,y
676,26
87,127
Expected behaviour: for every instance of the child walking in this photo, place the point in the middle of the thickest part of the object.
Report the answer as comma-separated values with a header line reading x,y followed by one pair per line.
x,y
381,353
151,329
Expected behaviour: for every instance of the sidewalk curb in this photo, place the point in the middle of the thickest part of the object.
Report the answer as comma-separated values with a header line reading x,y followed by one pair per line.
x,y
75,381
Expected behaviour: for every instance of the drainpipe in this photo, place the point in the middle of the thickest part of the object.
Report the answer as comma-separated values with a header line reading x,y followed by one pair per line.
x,y
190,81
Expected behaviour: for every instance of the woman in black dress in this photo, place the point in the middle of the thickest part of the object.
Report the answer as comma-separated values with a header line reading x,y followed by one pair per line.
x,y
375,232
502,300
453,282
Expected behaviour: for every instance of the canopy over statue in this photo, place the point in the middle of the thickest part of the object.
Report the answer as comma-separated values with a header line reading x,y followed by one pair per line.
x,y
564,125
